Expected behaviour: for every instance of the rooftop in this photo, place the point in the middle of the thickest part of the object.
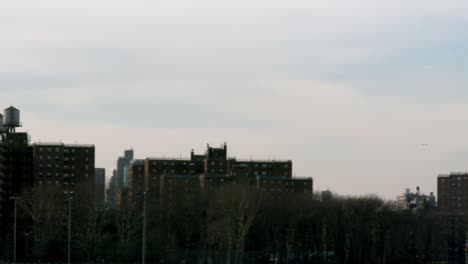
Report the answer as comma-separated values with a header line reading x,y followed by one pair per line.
x,y
61,144
169,158
265,161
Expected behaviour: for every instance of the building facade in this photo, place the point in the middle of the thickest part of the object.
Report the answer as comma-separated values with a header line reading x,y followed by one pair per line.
x,y
452,192
99,187
24,166
64,165
165,177
412,201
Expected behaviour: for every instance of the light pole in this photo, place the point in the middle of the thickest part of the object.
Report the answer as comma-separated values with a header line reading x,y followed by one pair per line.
x,y
14,229
143,242
69,198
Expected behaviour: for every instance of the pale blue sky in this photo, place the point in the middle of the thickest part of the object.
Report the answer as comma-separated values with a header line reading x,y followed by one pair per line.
x,y
349,90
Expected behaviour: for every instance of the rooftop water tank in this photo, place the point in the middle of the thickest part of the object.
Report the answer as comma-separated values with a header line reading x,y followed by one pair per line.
x,y
11,117
2,128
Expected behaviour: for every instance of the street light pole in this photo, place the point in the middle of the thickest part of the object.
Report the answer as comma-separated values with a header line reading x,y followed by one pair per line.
x,y
14,229
143,242
69,194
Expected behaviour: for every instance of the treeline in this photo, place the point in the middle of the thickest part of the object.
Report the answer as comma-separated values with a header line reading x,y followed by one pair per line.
x,y
231,224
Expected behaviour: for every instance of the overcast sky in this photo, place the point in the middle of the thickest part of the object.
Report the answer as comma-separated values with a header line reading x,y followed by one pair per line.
x,y
349,90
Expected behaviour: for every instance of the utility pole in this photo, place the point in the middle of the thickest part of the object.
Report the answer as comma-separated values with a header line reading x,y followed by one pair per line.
x,y
14,229
69,198
143,242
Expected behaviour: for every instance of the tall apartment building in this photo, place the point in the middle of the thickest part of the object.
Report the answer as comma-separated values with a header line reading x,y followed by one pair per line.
x,y
211,170
135,178
15,170
214,162
452,192
22,166
64,165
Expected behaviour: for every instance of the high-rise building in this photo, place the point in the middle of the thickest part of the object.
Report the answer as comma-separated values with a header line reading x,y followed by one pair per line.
x,y
99,187
119,180
22,166
111,192
211,170
452,193
122,162
64,165
135,178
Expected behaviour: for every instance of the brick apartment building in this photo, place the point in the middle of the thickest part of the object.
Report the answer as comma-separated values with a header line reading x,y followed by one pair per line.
x,y
24,165
452,196
452,192
212,170
64,165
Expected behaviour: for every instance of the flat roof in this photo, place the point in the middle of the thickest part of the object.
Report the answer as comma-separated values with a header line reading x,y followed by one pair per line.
x,y
61,144
168,159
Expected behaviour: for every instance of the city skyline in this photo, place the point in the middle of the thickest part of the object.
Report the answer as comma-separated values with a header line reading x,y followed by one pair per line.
x,y
364,97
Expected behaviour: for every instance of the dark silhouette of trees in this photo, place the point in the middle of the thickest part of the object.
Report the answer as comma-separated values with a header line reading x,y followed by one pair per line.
x,y
234,223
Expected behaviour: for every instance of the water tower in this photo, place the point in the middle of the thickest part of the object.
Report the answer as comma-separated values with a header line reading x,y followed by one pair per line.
x,y
11,118
2,128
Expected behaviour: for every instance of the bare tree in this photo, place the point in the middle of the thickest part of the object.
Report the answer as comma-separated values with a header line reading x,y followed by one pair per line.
x,y
231,213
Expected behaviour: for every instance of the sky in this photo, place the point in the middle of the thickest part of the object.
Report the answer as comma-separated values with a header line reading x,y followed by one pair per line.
x,y
366,97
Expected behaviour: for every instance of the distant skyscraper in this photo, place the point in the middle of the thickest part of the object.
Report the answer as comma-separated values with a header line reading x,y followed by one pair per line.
x,y
111,197
100,185
122,162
